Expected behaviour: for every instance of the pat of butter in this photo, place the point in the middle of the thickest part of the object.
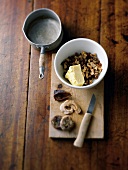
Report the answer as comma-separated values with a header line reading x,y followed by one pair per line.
x,y
75,76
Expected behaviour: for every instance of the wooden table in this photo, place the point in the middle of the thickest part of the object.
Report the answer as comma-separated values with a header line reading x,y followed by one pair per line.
x,y
25,100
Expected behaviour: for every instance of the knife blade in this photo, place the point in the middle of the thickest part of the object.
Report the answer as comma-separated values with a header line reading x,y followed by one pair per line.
x,y
92,104
85,123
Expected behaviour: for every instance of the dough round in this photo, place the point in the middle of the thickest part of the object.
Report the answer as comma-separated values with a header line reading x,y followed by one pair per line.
x,y
56,121
69,107
67,123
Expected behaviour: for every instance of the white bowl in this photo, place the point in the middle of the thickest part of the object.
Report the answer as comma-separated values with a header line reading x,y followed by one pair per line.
x,y
78,45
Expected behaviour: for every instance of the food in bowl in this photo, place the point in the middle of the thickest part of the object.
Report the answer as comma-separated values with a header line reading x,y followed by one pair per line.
x,y
82,69
75,76
78,45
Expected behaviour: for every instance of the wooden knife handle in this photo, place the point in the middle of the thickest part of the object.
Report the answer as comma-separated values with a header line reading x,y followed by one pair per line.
x,y
82,130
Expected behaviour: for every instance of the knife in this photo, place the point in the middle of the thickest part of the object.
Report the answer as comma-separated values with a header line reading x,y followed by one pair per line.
x,y
85,123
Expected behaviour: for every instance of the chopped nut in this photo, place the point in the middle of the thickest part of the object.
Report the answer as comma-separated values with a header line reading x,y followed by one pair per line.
x,y
65,66
92,64
92,72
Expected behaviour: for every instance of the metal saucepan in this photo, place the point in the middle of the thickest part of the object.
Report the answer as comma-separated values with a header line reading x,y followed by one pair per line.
x,y
43,29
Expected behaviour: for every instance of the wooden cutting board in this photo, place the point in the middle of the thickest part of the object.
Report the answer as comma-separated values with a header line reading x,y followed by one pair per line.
x,y
82,97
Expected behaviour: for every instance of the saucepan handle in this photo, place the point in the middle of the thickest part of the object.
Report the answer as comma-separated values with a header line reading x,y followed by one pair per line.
x,y
42,63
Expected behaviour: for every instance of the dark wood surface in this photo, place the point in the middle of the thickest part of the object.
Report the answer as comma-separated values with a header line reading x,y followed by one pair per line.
x,y
25,100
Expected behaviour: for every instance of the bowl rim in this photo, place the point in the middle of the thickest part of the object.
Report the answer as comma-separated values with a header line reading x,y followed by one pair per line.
x,y
90,85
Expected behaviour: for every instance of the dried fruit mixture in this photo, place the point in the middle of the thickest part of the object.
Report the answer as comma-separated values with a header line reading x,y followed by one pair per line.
x,y
91,66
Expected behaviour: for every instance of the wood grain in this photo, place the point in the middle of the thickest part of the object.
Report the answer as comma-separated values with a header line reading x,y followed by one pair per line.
x,y
113,38
82,98
14,72
25,100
